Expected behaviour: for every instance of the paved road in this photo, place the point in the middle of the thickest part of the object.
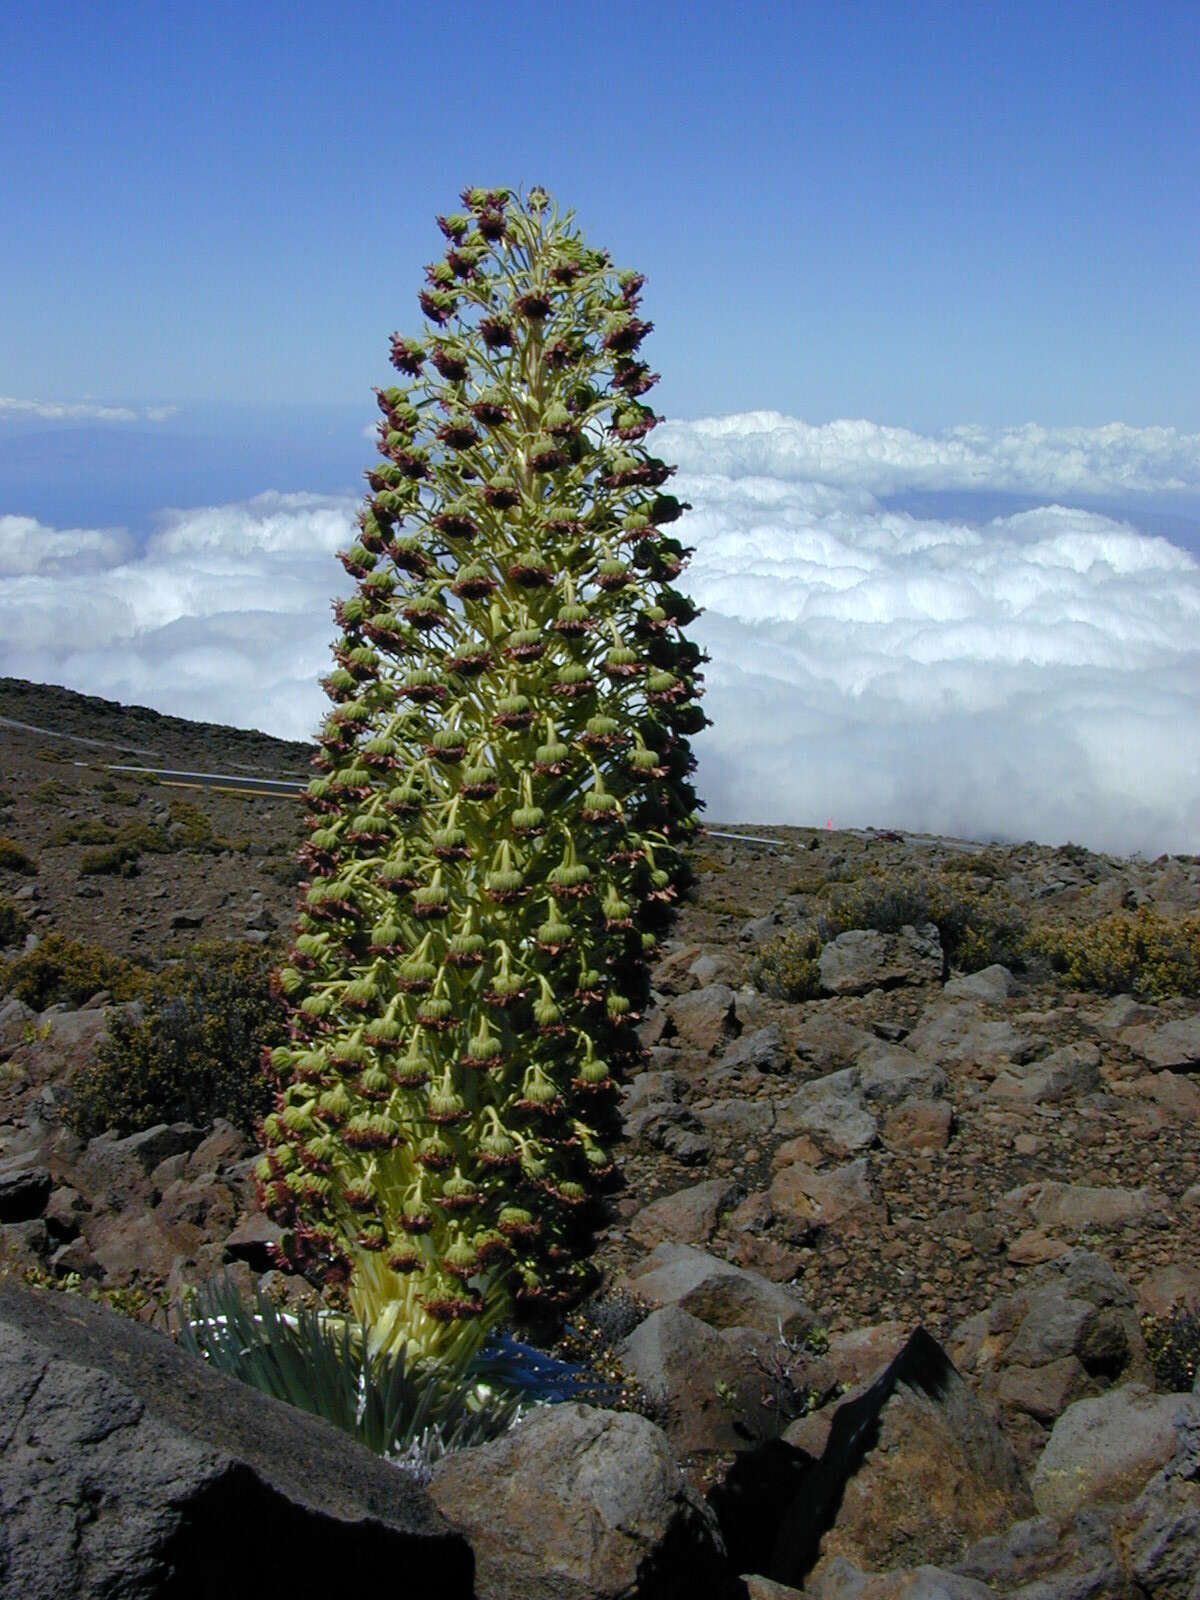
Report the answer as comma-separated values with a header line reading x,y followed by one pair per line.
x,y
226,782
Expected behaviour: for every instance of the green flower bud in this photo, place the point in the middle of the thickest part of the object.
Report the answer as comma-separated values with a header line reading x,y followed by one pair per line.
x,y
497,1149
515,1222
435,1010
465,949
375,1083
546,1010
298,1117
551,755
335,1103
528,819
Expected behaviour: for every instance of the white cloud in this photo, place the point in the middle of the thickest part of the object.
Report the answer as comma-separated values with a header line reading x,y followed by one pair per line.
x,y
1033,676
27,546
80,411
224,616
1114,459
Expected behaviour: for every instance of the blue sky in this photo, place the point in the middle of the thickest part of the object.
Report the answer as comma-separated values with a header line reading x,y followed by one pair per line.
x,y
923,285
922,214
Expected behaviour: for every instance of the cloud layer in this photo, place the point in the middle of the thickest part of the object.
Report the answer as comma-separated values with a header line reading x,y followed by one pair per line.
x,y
1029,676
14,409
1111,460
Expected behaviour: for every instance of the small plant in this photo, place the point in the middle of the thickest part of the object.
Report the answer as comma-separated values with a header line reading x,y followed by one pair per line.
x,y
787,966
1141,953
127,1300
1173,1345
192,829
791,1385
13,925
117,850
986,865
83,830
194,1052
61,970
407,1410
113,860
14,859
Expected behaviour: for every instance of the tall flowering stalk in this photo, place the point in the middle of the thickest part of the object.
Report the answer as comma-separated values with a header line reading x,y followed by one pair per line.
x,y
502,792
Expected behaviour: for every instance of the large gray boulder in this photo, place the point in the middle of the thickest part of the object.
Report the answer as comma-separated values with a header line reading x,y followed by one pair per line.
x,y
576,1503
128,1469
833,1112
913,1469
1103,1451
717,1292
865,959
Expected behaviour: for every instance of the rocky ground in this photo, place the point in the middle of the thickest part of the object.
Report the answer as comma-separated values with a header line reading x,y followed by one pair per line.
x,y
1006,1163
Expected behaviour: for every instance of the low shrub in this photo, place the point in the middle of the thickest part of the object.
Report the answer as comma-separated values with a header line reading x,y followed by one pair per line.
x,y
119,851
786,966
83,830
14,859
1173,1345
13,926
969,865
128,1300
111,860
66,970
194,1052
191,828
976,929
1142,953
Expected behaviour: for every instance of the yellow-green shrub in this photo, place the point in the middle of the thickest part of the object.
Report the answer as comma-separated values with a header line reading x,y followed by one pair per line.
x,y
976,929
62,969
13,926
1173,1345
109,860
195,1051
83,830
14,859
786,966
118,852
1142,953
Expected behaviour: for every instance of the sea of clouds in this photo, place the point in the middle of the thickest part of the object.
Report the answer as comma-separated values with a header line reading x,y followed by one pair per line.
x,y
1030,676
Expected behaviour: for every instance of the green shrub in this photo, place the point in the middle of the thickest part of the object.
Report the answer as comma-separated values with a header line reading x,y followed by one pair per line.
x,y
111,860
66,970
195,1051
14,859
787,965
127,1300
1173,1345
1141,953
83,830
118,851
986,865
193,829
13,926
976,929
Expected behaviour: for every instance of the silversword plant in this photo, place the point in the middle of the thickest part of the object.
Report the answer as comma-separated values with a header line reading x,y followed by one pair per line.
x,y
502,796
